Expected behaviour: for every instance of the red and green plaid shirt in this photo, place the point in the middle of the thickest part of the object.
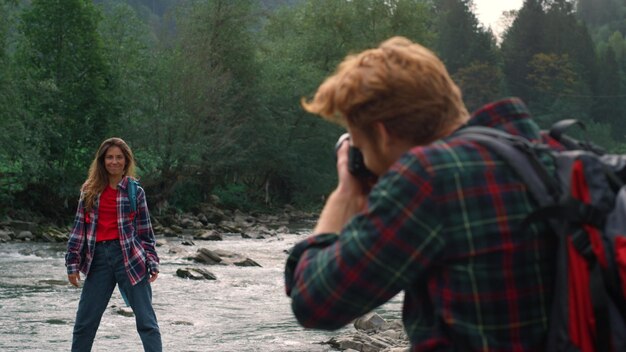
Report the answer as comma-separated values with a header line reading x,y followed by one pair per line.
x,y
442,225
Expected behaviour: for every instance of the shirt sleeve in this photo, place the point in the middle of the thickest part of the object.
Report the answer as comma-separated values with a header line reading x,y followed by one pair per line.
x,y
145,232
335,279
76,240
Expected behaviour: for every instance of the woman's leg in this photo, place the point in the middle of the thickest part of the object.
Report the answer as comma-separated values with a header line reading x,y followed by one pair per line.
x,y
140,300
97,290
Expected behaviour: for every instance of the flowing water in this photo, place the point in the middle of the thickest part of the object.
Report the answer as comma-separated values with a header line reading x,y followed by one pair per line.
x,y
245,309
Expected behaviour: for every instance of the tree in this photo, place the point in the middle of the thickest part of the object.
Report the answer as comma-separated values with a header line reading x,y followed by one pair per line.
x,y
522,41
480,84
64,78
559,88
597,12
18,157
302,45
608,107
203,88
128,50
564,34
461,39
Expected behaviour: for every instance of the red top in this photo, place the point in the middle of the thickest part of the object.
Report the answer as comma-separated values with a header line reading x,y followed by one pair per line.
x,y
107,216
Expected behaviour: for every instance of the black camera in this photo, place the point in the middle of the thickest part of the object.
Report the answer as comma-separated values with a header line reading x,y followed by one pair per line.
x,y
356,164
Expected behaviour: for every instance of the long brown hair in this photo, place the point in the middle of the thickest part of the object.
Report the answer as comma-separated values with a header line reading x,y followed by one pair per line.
x,y
98,178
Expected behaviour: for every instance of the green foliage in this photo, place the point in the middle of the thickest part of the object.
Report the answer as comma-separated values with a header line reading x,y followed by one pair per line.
x,y
234,196
461,40
207,92
480,83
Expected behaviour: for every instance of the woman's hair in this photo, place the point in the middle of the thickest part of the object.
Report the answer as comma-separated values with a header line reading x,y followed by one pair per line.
x,y
400,83
98,178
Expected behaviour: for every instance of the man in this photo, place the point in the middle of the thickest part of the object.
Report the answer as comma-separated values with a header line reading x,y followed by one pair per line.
x,y
442,223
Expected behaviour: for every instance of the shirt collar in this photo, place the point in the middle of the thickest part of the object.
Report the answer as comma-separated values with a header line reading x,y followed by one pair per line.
x,y
510,115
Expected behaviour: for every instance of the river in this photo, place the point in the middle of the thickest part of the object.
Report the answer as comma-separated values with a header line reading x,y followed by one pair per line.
x,y
245,309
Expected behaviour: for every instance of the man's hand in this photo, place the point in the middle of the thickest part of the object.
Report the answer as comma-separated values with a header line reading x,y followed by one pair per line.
x,y
74,279
153,276
347,199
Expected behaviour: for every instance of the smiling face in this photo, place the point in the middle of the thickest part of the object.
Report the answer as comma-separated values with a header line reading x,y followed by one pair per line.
x,y
114,162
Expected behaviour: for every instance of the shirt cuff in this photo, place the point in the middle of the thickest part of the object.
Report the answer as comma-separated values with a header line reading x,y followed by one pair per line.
x,y
317,241
153,267
72,268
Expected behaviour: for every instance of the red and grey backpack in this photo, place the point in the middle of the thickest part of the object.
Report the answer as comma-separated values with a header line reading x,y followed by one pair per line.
x,y
584,201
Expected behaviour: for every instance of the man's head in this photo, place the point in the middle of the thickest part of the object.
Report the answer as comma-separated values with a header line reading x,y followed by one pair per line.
x,y
400,87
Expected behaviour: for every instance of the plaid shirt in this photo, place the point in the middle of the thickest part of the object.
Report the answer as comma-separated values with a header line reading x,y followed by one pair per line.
x,y
442,225
138,245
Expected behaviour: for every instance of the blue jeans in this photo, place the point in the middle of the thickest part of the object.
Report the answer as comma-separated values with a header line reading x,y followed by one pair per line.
x,y
107,270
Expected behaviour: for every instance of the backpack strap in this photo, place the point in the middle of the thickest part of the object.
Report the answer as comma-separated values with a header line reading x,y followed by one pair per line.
x,y
131,188
557,131
520,154
132,193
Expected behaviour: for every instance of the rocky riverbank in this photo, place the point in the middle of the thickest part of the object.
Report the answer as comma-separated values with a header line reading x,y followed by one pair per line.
x,y
371,332
208,222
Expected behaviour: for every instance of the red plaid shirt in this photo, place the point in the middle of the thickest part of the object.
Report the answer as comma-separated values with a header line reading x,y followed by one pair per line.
x,y
442,225
138,245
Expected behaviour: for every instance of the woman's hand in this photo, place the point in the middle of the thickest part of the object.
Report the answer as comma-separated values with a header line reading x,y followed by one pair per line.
x,y
74,279
153,276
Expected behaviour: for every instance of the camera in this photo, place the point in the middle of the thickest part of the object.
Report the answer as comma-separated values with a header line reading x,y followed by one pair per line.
x,y
356,164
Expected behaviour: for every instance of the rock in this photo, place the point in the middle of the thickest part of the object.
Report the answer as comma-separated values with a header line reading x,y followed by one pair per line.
x,y
19,226
53,282
229,226
169,232
160,242
190,223
373,334
125,311
47,237
25,236
6,236
247,262
182,322
195,274
232,258
207,256
242,220
177,229
223,257
210,235
187,242
203,219
283,230
369,322
211,213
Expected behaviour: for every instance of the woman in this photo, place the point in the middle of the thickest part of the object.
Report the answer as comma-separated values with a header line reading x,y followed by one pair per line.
x,y
112,245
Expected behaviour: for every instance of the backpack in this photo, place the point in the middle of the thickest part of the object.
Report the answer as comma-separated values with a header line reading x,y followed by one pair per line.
x,y
584,203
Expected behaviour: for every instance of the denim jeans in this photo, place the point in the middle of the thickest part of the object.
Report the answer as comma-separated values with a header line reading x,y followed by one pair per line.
x,y
107,270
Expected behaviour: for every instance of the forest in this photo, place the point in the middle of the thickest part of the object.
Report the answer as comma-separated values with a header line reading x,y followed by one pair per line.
x,y
207,92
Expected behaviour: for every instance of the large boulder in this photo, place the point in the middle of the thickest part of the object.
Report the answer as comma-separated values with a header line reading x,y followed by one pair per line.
x,y
195,274
207,256
222,257
208,235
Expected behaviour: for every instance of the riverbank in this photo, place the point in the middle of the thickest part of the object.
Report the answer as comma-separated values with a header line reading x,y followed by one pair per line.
x,y
197,246
207,222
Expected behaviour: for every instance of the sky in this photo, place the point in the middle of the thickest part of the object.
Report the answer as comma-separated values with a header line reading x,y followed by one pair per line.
x,y
489,12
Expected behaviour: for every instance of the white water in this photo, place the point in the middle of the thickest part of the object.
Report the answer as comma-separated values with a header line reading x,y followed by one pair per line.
x,y
245,309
